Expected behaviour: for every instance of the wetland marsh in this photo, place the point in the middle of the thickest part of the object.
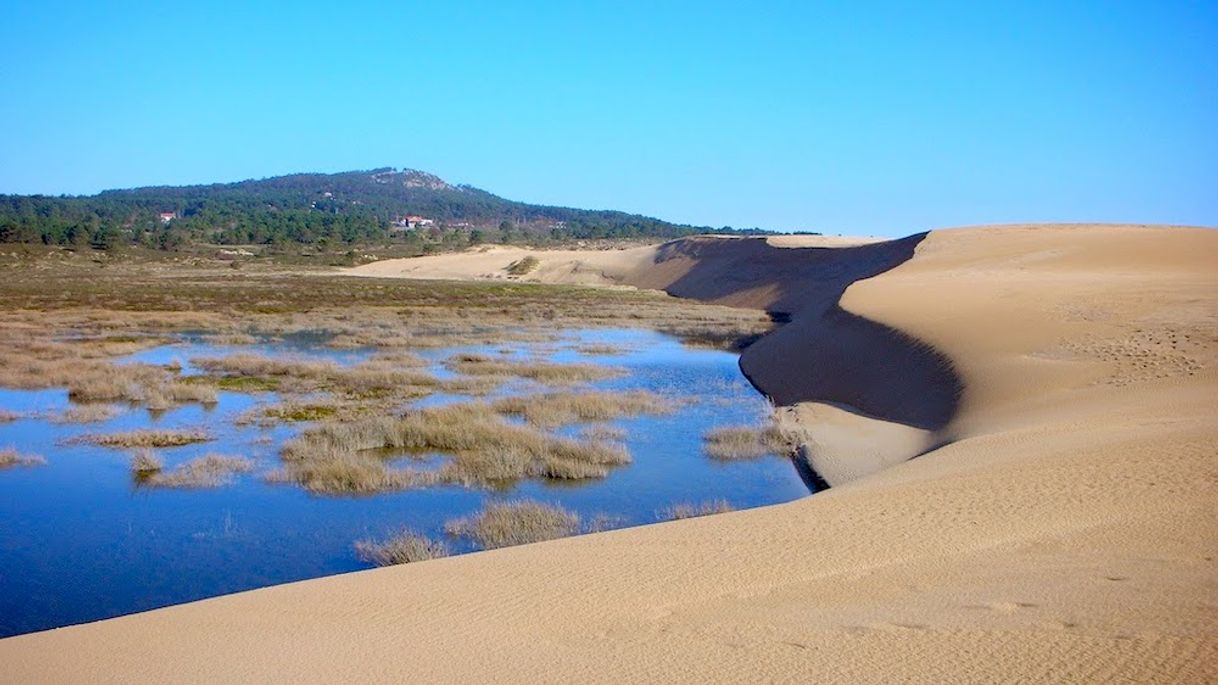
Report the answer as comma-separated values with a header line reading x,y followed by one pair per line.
x,y
163,452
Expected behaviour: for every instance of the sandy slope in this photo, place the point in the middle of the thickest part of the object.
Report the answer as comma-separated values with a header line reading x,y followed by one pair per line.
x,y
587,267
1065,532
590,267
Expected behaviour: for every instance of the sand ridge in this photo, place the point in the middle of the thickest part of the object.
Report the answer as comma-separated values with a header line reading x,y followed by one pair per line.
x,y
1061,531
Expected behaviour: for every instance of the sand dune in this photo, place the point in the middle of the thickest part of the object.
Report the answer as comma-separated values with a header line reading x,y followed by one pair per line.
x,y
1060,526
491,262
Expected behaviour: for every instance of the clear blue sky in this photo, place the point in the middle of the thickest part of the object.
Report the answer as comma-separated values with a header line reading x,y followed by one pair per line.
x,y
850,117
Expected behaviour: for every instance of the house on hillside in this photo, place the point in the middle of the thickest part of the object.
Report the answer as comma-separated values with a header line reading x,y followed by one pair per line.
x,y
166,217
404,222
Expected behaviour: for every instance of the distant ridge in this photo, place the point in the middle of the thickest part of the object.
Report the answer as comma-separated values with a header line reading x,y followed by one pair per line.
x,y
349,207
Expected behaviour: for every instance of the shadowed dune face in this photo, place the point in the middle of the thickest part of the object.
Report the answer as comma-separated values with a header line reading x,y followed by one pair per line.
x,y
824,353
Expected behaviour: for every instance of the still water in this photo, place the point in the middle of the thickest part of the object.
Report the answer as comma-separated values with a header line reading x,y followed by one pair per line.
x,y
79,541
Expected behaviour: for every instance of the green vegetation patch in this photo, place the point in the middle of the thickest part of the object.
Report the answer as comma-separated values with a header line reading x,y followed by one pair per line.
x,y
302,412
247,383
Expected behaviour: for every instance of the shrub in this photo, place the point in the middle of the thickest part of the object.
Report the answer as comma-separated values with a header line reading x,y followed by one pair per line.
x,y
523,266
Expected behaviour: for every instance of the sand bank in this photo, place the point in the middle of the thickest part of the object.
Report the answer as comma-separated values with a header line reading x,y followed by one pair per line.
x,y
1061,530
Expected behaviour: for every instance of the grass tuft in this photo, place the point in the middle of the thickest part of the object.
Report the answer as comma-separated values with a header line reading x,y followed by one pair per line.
x,y
86,413
145,463
403,547
10,457
348,456
559,409
147,438
542,372
208,471
737,443
685,510
600,350
515,523
345,472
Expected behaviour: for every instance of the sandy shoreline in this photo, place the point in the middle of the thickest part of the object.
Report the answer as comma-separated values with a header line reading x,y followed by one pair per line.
x,y
1059,528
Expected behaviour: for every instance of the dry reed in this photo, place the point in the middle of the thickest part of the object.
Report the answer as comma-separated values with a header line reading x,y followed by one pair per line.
x,y
403,547
515,523
558,409
86,413
685,510
10,457
542,372
735,443
146,438
207,471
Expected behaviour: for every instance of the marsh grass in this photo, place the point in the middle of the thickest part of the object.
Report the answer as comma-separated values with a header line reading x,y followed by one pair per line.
x,y
603,433
403,547
144,463
249,384
377,378
600,350
685,510
257,365
10,457
166,396
92,380
146,438
542,372
297,411
63,323
207,471
737,443
483,449
111,382
343,472
86,413
131,300
475,386
301,411
232,339
521,522
559,409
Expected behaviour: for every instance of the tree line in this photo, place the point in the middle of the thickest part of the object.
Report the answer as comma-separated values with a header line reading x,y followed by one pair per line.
x,y
313,209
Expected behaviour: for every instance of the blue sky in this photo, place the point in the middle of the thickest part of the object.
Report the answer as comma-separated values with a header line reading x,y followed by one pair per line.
x,y
851,117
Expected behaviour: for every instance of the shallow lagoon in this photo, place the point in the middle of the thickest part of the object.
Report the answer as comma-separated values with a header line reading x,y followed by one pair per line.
x,y
79,541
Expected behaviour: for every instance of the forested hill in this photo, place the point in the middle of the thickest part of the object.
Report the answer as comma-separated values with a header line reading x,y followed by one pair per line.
x,y
345,208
